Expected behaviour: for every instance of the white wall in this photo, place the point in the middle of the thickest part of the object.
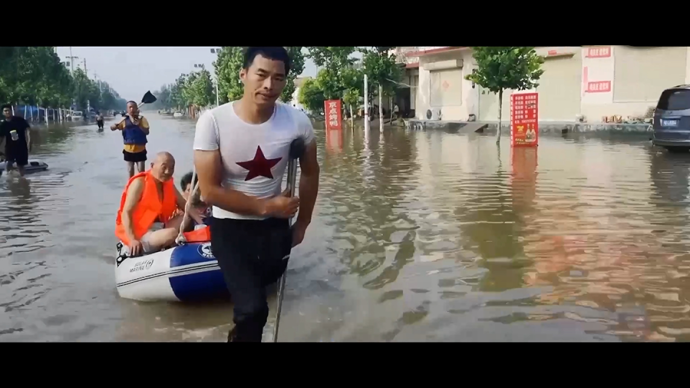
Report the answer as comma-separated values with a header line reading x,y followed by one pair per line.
x,y
453,113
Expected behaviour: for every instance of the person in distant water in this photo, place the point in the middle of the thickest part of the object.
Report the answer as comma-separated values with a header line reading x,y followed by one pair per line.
x,y
135,129
99,121
16,132
241,151
145,221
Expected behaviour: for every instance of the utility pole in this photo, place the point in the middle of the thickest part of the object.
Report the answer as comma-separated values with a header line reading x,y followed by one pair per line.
x,y
100,86
86,71
215,76
71,59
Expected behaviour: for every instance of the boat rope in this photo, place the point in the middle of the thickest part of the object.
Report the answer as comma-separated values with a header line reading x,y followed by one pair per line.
x,y
180,240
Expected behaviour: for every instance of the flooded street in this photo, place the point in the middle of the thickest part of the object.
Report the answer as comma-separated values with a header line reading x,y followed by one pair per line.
x,y
417,236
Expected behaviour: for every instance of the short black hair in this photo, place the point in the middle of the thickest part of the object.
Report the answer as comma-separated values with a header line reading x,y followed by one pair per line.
x,y
8,106
187,179
274,53
132,102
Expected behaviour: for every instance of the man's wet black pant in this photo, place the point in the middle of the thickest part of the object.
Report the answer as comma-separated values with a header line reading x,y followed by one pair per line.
x,y
252,255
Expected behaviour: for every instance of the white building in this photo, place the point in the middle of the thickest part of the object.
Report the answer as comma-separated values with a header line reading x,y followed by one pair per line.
x,y
596,82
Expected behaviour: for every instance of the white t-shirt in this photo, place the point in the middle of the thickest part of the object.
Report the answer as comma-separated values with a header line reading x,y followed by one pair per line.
x,y
254,156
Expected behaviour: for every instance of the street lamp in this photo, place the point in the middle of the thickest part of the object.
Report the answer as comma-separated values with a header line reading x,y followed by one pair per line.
x,y
216,50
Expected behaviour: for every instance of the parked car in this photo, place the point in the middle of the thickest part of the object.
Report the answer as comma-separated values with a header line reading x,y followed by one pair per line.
x,y
672,119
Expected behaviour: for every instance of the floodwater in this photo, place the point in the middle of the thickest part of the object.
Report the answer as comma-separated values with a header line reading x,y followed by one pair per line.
x,y
417,236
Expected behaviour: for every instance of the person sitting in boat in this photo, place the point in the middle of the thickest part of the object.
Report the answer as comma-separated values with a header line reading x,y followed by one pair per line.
x,y
145,221
196,229
202,211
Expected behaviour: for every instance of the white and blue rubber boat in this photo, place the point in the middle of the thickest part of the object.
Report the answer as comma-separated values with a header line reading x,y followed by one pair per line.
x,y
184,273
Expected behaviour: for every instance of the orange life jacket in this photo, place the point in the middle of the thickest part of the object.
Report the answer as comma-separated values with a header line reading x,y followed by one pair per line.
x,y
149,209
199,235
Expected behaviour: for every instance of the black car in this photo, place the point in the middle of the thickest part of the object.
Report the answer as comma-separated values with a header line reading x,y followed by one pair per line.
x,y
672,119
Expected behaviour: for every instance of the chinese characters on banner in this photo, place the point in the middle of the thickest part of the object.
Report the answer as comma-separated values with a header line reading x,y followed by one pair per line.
x,y
524,119
333,114
598,52
599,87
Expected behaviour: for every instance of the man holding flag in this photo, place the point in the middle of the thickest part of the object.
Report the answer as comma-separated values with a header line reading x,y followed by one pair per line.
x,y
241,150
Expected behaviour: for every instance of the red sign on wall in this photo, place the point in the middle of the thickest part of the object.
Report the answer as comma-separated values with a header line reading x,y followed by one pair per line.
x,y
599,87
599,52
524,119
333,114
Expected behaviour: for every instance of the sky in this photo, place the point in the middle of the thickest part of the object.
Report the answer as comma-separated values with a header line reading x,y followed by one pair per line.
x,y
132,71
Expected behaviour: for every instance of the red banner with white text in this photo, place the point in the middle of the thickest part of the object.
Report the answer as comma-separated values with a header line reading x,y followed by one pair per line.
x,y
524,119
333,114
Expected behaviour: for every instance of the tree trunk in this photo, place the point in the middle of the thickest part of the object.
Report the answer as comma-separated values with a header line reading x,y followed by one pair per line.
x,y
380,107
352,117
500,110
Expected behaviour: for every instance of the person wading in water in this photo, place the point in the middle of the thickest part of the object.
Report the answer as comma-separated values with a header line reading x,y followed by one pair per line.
x,y
134,129
99,121
16,132
241,150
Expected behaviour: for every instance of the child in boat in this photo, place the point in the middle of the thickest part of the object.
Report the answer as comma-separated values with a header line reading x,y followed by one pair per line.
x,y
200,212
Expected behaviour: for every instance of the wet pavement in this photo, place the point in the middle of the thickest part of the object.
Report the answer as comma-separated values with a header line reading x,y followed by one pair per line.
x,y
417,236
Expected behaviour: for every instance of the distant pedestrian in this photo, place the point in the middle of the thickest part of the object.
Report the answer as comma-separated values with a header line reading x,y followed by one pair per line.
x,y
17,136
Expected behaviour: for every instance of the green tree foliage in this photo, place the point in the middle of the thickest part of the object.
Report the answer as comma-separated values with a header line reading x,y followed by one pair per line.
x,y
297,61
311,96
332,61
501,68
198,89
189,89
228,66
338,78
35,75
382,70
383,74
353,81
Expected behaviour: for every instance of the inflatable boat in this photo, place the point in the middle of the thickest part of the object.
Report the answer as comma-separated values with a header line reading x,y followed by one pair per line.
x,y
184,273
33,166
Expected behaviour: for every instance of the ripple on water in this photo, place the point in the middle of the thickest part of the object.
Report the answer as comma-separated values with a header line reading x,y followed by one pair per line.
x,y
417,236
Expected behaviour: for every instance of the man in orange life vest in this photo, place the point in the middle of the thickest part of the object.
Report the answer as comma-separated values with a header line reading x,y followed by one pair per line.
x,y
145,221
135,129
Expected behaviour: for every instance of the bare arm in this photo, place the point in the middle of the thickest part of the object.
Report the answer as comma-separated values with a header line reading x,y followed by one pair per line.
x,y
308,183
134,193
182,204
120,125
210,173
179,199
144,125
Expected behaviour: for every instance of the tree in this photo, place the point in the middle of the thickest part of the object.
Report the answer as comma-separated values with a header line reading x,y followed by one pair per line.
x,y
228,66
500,68
382,72
332,60
36,76
311,96
200,89
353,80
297,67
177,99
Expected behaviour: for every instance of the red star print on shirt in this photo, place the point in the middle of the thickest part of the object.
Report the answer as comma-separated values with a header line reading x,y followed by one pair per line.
x,y
259,166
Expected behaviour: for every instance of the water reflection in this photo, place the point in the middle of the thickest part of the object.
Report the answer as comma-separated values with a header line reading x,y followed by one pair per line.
x,y
417,236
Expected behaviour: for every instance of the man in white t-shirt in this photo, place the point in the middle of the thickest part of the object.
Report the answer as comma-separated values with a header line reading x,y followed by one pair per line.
x,y
241,150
